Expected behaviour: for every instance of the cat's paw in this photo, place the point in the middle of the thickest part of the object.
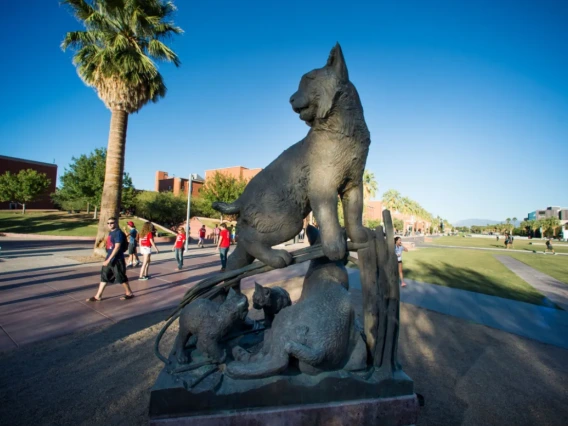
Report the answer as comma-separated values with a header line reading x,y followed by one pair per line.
x,y
182,357
280,259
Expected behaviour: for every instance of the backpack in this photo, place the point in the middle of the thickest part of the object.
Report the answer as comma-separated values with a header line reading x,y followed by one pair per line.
x,y
124,244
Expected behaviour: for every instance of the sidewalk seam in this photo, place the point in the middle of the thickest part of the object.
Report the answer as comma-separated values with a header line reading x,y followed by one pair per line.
x,y
8,334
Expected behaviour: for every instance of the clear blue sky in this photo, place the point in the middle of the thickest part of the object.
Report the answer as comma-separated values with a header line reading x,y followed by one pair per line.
x,y
467,102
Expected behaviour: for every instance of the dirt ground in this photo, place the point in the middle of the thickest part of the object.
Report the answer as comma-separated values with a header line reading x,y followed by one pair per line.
x,y
468,374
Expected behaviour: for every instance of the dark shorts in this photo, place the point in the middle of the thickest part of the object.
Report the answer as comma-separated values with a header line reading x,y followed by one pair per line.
x,y
400,261
132,248
114,272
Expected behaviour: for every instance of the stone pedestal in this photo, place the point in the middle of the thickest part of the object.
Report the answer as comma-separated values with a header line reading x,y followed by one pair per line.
x,y
396,411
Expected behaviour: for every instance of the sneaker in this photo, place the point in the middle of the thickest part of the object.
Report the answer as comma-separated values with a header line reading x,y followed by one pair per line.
x,y
129,265
138,264
143,278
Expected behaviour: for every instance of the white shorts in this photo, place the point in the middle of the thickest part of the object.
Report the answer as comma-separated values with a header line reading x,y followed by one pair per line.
x,y
145,250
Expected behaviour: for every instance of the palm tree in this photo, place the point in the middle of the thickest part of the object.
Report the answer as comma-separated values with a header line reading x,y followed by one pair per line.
x,y
115,55
370,185
392,200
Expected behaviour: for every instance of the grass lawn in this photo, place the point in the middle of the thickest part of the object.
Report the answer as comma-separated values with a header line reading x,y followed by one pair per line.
x,y
480,242
470,270
55,223
555,266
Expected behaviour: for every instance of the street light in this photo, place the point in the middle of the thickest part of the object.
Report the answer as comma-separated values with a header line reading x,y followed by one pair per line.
x,y
189,183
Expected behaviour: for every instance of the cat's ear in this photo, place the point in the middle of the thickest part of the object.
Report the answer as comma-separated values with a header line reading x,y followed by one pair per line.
x,y
266,291
257,287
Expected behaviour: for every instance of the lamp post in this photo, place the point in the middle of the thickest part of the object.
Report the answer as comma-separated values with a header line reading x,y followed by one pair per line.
x,y
188,208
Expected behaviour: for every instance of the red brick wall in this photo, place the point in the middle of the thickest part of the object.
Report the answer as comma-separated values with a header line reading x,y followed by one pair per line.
x,y
14,165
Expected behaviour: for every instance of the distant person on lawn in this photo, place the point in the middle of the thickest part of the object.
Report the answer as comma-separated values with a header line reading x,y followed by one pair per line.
x,y
178,247
146,244
202,235
223,245
114,267
549,247
132,244
398,249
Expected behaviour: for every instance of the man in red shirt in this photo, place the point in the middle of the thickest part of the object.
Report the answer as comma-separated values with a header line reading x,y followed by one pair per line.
x,y
178,247
202,234
223,245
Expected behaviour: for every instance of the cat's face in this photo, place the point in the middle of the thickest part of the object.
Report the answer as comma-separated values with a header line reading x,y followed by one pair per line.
x,y
261,296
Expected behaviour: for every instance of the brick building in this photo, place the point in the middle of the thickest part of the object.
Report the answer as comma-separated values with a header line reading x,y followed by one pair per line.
x,y
15,165
177,185
238,172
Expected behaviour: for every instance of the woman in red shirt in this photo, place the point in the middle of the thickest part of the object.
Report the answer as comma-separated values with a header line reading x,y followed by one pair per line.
x,y
178,247
223,245
146,244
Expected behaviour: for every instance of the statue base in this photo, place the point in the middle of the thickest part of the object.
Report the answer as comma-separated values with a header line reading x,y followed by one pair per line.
x,y
292,399
399,411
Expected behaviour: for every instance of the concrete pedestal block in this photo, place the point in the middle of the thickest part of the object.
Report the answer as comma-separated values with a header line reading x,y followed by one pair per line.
x,y
395,411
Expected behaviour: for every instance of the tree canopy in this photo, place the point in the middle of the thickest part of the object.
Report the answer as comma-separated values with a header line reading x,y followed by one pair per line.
x,y
222,187
24,187
115,54
83,182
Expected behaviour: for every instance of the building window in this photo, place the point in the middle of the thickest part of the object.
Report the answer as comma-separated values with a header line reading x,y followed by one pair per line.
x,y
169,188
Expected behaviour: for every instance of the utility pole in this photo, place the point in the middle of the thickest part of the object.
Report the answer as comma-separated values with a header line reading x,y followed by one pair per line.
x,y
189,185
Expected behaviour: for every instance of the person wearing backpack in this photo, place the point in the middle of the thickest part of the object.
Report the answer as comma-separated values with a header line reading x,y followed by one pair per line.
x,y
114,267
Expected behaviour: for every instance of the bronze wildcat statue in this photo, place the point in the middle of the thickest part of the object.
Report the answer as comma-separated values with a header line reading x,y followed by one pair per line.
x,y
271,300
320,330
209,322
309,175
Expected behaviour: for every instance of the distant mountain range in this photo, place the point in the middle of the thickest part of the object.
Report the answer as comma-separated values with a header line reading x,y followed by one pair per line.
x,y
480,222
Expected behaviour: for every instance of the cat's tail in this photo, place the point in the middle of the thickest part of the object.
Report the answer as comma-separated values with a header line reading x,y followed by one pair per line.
x,y
225,208
268,366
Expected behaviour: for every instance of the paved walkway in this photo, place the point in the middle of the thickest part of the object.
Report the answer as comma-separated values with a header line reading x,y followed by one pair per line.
x,y
48,299
547,325
43,292
554,290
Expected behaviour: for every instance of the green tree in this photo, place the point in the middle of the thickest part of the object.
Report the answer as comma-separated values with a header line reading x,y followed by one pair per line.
x,y
164,208
222,187
83,183
115,55
398,224
549,225
24,187
535,225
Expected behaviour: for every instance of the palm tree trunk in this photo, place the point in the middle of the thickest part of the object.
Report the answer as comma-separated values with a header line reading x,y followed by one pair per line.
x,y
110,202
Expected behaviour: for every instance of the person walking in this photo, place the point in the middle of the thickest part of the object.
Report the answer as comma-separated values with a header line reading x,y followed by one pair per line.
x,y
132,244
398,249
146,244
202,234
216,234
114,267
223,245
549,247
178,247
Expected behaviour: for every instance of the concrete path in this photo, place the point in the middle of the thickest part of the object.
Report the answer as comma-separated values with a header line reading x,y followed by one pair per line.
x,y
553,289
540,323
